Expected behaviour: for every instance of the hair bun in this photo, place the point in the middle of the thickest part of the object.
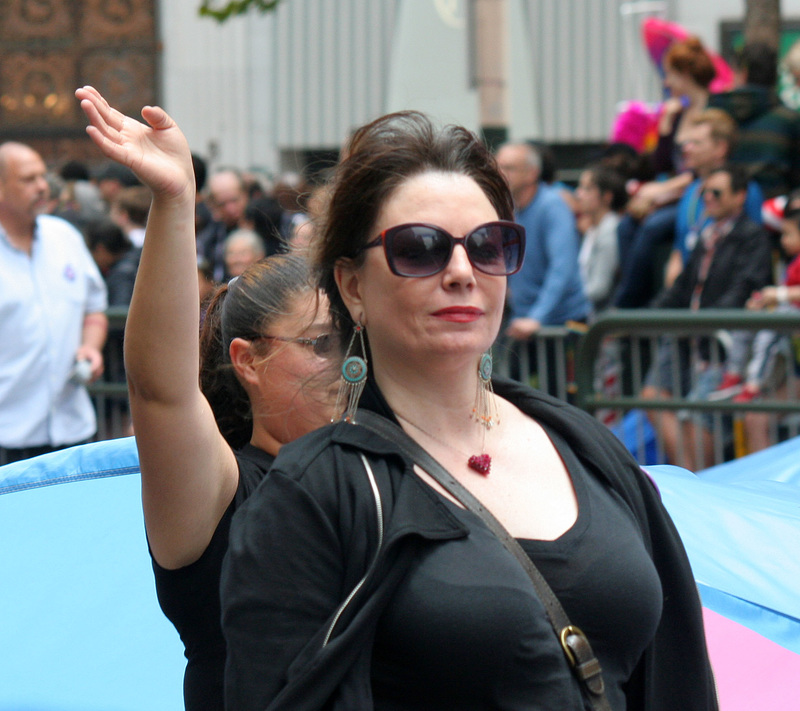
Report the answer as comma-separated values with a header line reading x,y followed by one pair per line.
x,y
694,44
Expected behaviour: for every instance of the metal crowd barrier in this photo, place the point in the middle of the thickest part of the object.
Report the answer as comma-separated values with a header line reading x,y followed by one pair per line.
x,y
613,359
602,370
110,393
546,362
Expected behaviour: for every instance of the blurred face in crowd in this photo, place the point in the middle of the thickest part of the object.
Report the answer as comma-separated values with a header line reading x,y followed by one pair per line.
x,y
790,237
590,202
227,198
678,83
721,202
522,177
24,192
240,253
701,151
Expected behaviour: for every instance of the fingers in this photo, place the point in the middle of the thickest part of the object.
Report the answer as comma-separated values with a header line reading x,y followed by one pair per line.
x,y
99,130
157,118
89,96
108,122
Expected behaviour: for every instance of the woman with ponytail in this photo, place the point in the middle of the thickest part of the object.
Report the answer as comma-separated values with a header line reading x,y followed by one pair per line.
x,y
210,414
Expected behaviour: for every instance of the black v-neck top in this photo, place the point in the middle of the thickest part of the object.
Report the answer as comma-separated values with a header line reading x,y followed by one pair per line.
x,y
426,657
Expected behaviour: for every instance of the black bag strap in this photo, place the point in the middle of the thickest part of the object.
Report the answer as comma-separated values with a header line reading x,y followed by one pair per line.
x,y
573,641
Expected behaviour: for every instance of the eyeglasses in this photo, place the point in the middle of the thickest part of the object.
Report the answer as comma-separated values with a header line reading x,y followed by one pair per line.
x,y
716,193
323,344
421,250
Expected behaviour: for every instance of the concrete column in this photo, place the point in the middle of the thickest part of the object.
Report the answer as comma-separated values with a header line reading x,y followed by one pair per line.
x,y
489,32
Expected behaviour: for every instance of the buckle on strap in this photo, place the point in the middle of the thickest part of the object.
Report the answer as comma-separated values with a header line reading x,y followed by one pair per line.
x,y
582,659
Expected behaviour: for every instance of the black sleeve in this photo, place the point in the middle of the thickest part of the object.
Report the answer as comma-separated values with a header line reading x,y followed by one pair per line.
x,y
679,295
281,582
662,157
751,270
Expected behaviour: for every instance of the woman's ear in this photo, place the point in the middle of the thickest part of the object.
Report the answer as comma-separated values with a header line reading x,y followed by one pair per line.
x,y
348,281
244,360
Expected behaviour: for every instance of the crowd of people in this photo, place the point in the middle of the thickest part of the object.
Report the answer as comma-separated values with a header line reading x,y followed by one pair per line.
x,y
680,227
338,566
620,238
71,242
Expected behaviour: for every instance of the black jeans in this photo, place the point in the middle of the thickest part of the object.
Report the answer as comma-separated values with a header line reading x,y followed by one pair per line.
x,y
10,454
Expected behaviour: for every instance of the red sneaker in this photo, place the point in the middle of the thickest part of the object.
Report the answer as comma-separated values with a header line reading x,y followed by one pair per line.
x,y
748,394
730,385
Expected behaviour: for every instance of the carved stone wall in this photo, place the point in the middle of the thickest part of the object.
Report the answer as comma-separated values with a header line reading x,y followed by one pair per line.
x,y
48,48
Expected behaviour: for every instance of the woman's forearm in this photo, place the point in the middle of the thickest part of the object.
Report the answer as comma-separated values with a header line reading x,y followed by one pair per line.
x,y
161,335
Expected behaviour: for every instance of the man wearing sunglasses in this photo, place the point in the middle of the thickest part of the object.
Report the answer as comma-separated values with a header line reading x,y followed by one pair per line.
x,y
709,141
548,289
732,259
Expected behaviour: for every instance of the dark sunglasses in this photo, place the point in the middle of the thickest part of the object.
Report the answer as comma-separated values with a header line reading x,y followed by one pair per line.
x,y
421,250
323,344
716,193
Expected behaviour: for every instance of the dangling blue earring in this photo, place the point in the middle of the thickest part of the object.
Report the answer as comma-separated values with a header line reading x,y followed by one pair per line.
x,y
485,409
354,378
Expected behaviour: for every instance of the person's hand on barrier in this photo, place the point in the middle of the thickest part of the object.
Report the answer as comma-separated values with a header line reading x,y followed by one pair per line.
x,y
521,329
771,296
759,300
157,153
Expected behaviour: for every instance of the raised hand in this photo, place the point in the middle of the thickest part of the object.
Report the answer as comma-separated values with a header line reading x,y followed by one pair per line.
x,y
157,153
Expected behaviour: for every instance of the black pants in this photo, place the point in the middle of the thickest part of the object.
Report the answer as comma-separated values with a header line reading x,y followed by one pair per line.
x,y
10,454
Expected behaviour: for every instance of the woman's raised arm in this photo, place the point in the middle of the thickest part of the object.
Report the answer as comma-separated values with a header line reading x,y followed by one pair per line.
x,y
189,473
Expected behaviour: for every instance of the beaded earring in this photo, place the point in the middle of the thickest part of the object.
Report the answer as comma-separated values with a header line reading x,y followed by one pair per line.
x,y
354,378
485,409
484,412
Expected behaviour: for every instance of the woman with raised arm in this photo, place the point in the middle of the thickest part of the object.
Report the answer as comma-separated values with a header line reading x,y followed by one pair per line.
x,y
262,367
365,575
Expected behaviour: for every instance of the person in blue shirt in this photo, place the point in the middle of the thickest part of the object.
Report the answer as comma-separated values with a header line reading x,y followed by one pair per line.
x,y
548,289
707,142
710,138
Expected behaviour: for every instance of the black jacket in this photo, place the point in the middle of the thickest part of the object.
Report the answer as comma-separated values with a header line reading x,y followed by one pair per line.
x,y
742,263
768,140
291,644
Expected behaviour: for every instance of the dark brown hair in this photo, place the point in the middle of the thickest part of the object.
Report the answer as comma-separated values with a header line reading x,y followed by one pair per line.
x,y
690,57
380,157
609,181
244,308
737,175
760,62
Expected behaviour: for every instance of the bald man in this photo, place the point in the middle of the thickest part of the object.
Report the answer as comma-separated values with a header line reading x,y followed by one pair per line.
x,y
227,199
52,316
548,290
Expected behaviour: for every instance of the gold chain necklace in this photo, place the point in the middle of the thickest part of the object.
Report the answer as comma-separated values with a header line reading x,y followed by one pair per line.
x,y
481,463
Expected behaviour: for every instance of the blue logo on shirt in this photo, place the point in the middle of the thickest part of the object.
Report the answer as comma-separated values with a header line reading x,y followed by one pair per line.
x,y
69,273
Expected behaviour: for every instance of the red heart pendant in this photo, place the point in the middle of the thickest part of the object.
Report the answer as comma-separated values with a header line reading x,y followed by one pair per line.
x,y
481,463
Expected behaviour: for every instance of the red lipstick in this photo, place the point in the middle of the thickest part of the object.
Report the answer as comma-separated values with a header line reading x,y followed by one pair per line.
x,y
459,314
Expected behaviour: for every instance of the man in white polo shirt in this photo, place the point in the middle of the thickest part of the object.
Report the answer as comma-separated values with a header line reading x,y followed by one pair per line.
x,y
52,321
